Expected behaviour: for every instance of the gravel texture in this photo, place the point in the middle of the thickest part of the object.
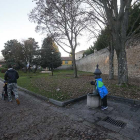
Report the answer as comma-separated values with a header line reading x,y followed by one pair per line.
x,y
70,87
34,119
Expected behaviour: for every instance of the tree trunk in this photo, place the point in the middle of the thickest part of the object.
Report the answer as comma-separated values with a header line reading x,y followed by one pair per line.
x,y
119,46
74,64
122,67
35,69
25,70
111,63
117,21
29,69
111,60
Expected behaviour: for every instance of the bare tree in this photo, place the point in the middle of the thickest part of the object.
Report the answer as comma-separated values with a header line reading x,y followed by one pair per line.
x,y
117,17
97,15
62,20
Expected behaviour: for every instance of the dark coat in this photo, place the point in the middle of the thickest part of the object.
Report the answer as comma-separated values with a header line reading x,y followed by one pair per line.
x,y
11,76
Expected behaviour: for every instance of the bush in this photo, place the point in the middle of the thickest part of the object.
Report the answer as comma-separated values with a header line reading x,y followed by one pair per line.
x,y
4,66
3,70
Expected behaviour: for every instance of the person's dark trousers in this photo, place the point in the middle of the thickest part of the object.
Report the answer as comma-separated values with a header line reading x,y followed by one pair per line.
x,y
104,101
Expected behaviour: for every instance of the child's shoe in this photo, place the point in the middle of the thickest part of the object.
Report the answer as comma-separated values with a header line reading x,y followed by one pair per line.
x,y
18,102
104,107
9,100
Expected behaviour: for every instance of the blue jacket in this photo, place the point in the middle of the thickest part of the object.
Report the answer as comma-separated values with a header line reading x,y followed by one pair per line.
x,y
102,90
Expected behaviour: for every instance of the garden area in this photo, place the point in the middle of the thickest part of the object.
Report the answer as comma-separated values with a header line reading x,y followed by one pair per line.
x,y
63,86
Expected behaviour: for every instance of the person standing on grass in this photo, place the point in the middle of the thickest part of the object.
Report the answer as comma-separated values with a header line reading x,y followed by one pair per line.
x,y
11,77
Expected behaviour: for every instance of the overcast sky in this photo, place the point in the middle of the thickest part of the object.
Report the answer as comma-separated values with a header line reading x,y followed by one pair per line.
x,y
14,24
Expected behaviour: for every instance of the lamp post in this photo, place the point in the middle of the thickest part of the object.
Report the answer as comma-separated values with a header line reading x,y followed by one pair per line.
x,y
52,62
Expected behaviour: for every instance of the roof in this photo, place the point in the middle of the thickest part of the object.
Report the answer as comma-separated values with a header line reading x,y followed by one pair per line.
x,y
66,58
80,52
2,60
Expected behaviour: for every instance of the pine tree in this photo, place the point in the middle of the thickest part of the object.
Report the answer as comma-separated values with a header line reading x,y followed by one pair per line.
x,y
47,58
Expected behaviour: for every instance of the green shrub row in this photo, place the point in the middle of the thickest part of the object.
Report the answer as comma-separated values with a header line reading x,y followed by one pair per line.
x,y
3,70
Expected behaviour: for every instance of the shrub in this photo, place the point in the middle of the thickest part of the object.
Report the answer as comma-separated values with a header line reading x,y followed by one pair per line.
x,y
3,70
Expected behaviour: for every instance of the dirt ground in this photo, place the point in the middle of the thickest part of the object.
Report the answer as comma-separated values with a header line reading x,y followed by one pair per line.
x,y
34,119
130,91
71,87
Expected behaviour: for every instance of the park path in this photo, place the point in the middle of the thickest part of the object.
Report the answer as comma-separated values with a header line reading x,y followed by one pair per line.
x,y
35,119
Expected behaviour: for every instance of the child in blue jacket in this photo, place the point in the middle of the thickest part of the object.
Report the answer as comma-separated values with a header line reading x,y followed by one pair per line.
x,y
102,90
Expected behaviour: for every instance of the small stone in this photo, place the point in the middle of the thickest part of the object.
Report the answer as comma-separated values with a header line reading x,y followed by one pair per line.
x,y
89,132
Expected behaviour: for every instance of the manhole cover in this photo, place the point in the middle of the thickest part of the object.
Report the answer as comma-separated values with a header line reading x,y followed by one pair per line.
x,y
114,122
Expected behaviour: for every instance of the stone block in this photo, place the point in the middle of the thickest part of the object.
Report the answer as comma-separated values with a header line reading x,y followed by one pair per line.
x,y
93,101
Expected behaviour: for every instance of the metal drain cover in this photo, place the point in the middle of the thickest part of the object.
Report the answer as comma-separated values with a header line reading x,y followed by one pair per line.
x,y
117,123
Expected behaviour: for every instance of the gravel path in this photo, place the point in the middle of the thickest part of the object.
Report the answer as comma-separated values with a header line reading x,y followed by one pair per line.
x,y
34,119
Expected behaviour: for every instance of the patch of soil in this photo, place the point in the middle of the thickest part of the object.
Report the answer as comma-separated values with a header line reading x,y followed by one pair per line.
x,y
67,87
131,91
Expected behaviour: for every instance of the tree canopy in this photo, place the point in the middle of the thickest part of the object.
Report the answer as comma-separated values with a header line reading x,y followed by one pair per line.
x,y
115,16
63,20
13,53
103,38
29,49
50,54
20,54
134,20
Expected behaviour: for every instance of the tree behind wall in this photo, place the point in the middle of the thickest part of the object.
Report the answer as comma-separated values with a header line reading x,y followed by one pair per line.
x,y
102,40
134,20
133,28
117,21
89,51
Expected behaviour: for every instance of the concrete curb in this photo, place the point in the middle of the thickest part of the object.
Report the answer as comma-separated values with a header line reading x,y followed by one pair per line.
x,y
64,103
34,94
53,101
56,102
31,93
131,101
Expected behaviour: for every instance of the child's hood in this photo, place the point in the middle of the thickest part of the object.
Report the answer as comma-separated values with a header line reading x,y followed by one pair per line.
x,y
99,79
99,82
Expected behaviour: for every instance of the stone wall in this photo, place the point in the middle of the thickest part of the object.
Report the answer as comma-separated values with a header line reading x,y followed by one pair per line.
x,y
101,57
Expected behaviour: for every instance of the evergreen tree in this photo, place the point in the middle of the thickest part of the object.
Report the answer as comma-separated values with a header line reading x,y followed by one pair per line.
x,y
47,58
89,51
102,40
134,19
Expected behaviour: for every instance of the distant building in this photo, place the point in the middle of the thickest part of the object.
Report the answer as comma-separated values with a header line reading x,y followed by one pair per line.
x,y
2,62
66,60
66,63
79,55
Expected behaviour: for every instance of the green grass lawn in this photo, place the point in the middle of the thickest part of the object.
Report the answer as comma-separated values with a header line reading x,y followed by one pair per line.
x,y
63,86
